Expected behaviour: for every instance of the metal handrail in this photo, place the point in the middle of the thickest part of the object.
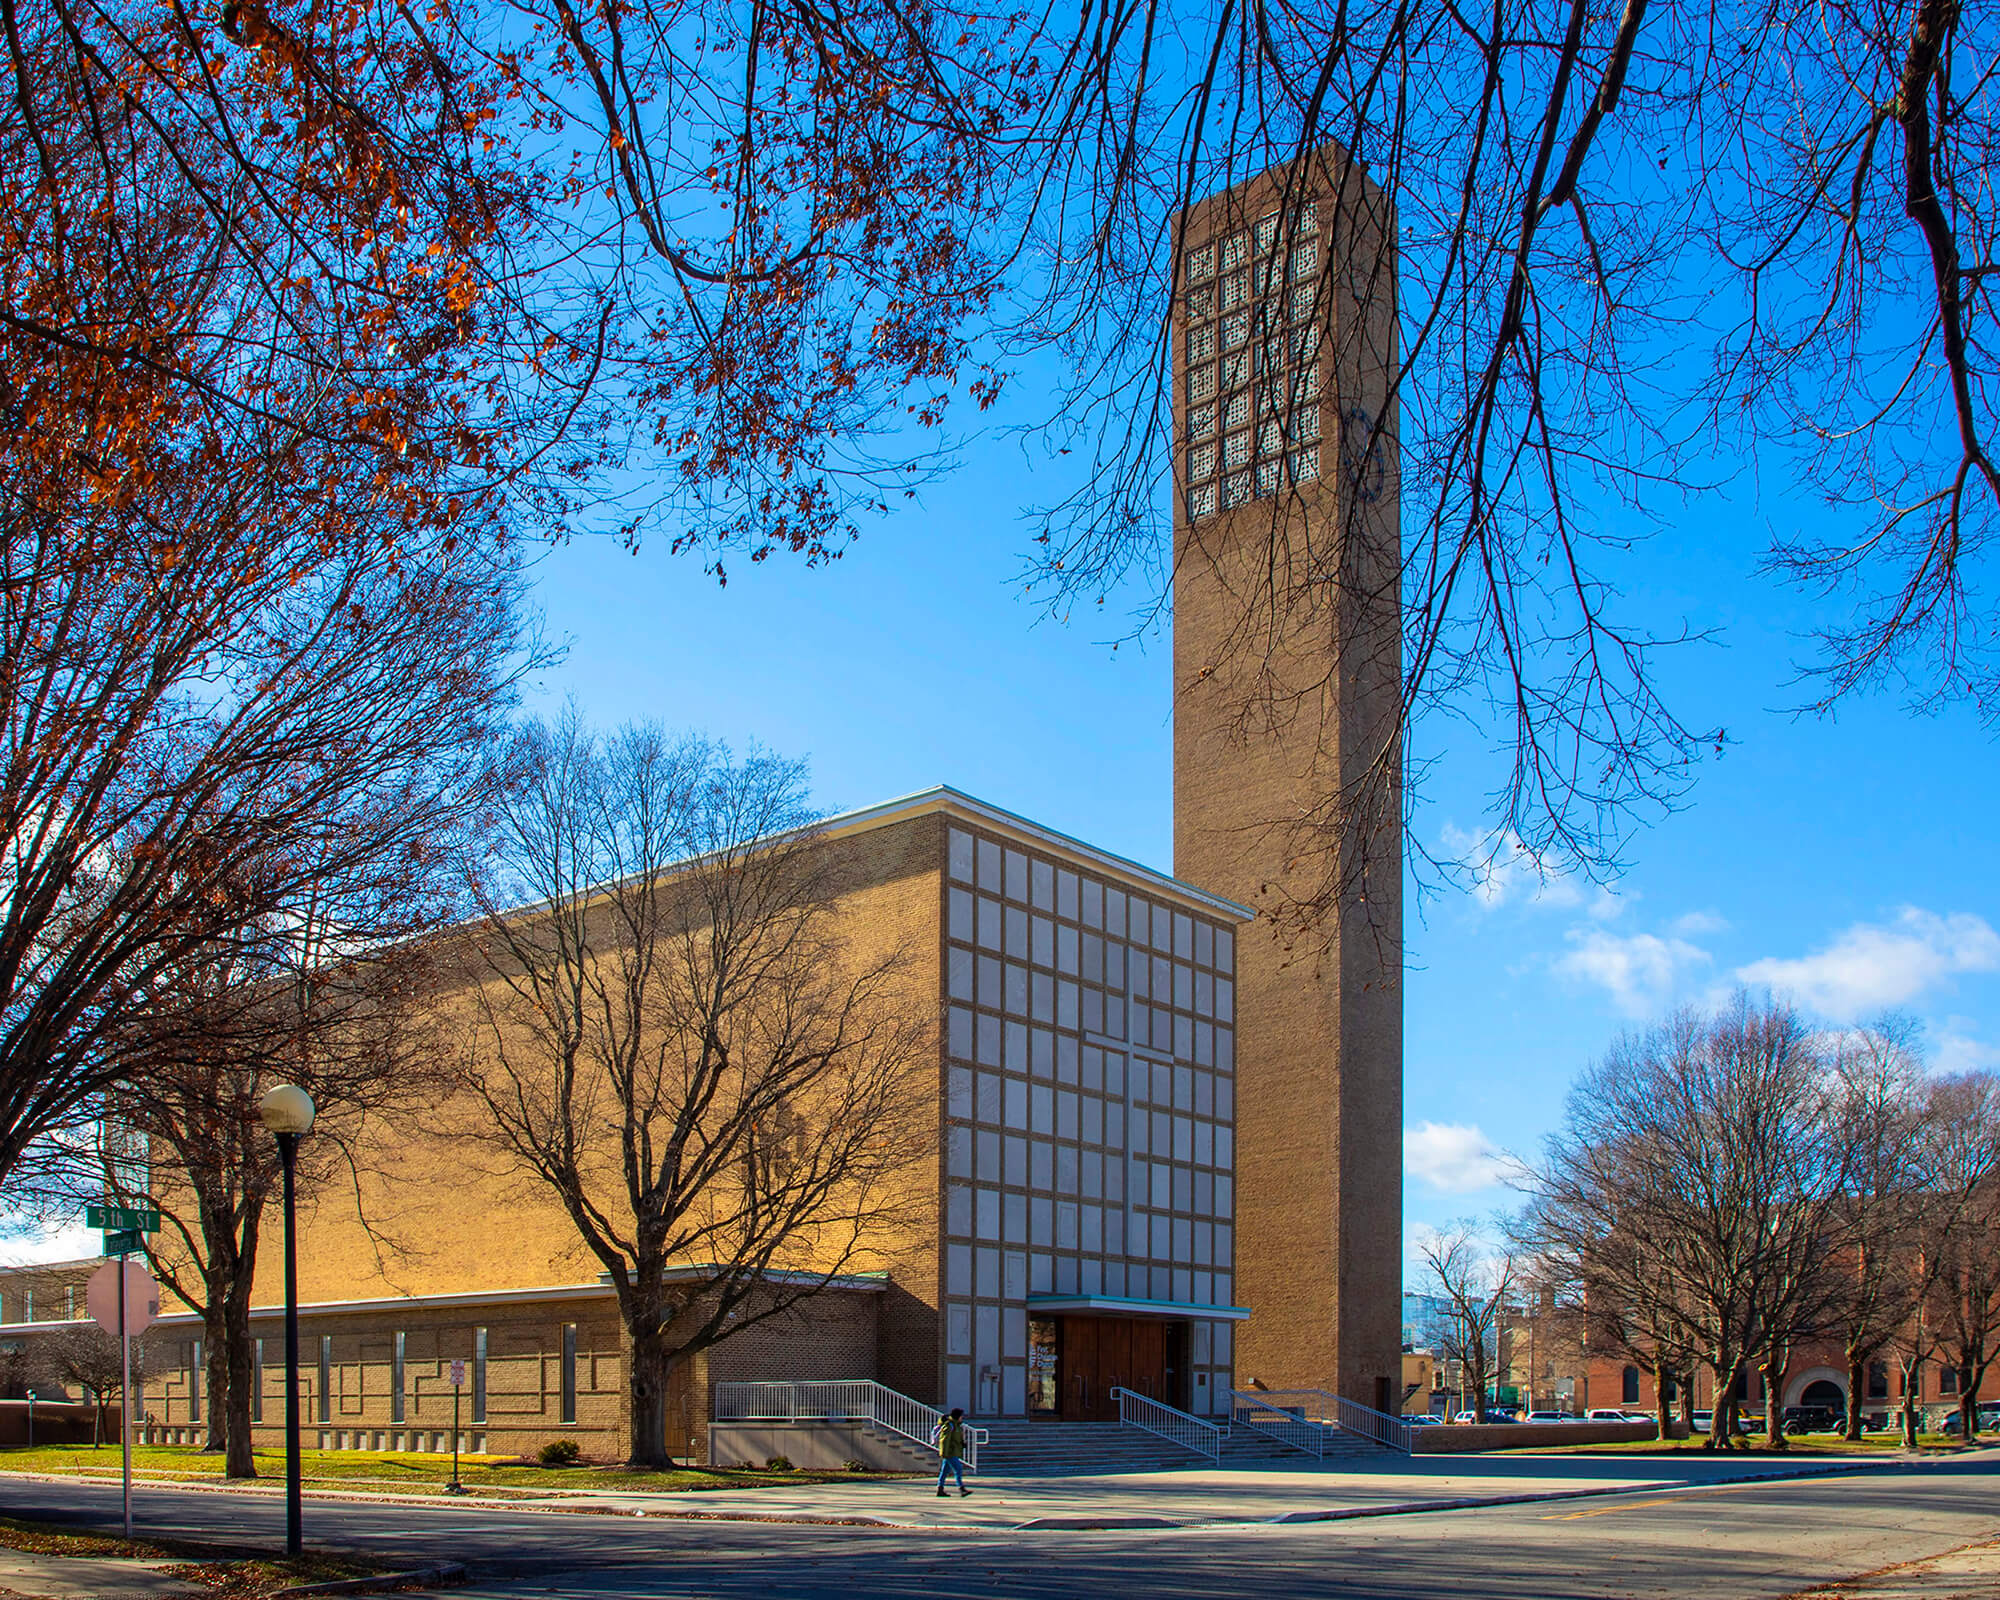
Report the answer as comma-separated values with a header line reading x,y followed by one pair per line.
x,y
1384,1429
1335,1410
840,1400
1295,1418
1167,1422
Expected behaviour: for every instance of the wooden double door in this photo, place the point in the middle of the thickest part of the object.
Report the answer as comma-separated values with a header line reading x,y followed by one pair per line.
x,y
1099,1354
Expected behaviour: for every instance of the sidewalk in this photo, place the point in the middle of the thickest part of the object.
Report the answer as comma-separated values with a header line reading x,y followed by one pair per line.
x,y
1971,1573
87,1578
1200,1496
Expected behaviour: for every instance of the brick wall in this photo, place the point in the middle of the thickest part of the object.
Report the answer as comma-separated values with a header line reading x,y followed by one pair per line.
x,y
524,1379
48,1293
441,1196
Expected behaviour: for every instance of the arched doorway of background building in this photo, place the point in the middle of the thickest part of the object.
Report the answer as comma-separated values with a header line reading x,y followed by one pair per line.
x,y
1821,1387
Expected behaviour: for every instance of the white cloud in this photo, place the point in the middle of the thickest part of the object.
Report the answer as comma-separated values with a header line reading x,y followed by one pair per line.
x,y
1417,1236
1873,965
1691,924
72,1242
1955,1047
1639,971
1452,1156
1501,870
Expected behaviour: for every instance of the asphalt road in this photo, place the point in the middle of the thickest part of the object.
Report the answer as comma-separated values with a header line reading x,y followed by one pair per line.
x,y
1723,1543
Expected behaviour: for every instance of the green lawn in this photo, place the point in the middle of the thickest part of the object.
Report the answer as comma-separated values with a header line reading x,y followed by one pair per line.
x,y
224,1571
375,1470
1809,1444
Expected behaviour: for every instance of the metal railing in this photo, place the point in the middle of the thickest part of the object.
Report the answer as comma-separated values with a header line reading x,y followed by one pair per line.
x,y
1297,1418
1384,1429
1303,1417
1176,1427
840,1400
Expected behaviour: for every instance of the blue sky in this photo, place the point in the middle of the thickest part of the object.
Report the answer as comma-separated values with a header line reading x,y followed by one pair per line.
x,y
1843,860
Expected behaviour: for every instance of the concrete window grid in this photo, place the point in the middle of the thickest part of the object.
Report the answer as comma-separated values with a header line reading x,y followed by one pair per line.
x,y
1269,275
1044,1190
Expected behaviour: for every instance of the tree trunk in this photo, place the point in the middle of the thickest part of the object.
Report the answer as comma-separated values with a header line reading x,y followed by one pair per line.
x,y
1773,1374
1723,1433
1909,1411
1856,1375
240,1459
1665,1418
1687,1403
652,1365
216,1349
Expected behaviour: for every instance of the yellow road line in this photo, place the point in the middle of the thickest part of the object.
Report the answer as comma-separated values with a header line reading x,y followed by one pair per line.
x,y
1691,1494
1605,1511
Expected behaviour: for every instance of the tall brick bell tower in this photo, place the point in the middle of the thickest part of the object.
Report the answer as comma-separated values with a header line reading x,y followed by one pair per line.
x,y
1287,672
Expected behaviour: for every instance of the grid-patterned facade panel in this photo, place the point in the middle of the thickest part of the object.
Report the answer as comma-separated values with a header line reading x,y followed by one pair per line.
x,y
1253,312
1089,1110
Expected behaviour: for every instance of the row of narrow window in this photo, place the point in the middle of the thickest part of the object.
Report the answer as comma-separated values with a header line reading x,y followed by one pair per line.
x,y
398,1378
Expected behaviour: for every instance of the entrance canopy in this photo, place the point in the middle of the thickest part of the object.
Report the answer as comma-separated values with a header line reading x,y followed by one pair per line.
x,y
1106,1305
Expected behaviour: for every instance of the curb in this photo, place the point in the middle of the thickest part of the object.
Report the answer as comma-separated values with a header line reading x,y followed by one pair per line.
x,y
1475,1502
274,1488
416,1578
1404,1508
1397,1508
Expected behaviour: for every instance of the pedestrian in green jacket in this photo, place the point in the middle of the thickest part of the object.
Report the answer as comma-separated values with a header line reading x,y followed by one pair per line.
x,y
948,1438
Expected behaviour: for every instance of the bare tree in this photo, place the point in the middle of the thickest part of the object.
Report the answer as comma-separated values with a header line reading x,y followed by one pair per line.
x,y
218,695
1474,1279
251,722
1599,240
677,1037
1697,1185
1884,1106
1961,1308
1605,237
94,1362
349,1026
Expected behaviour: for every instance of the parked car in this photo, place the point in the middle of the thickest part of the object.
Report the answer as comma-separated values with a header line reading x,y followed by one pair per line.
x,y
1704,1421
1988,1417
1809,1419
1490,1414
1615,1414
1551,1416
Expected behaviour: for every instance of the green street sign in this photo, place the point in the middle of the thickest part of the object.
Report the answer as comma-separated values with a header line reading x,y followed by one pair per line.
x,y
126,1242
130,1219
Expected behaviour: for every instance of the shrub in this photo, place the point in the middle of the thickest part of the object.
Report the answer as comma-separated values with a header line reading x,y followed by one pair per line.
x,y
560,1453
779,1464
855,1466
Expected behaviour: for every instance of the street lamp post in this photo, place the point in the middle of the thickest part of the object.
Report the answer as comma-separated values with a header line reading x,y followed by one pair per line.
x,y
288,1112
